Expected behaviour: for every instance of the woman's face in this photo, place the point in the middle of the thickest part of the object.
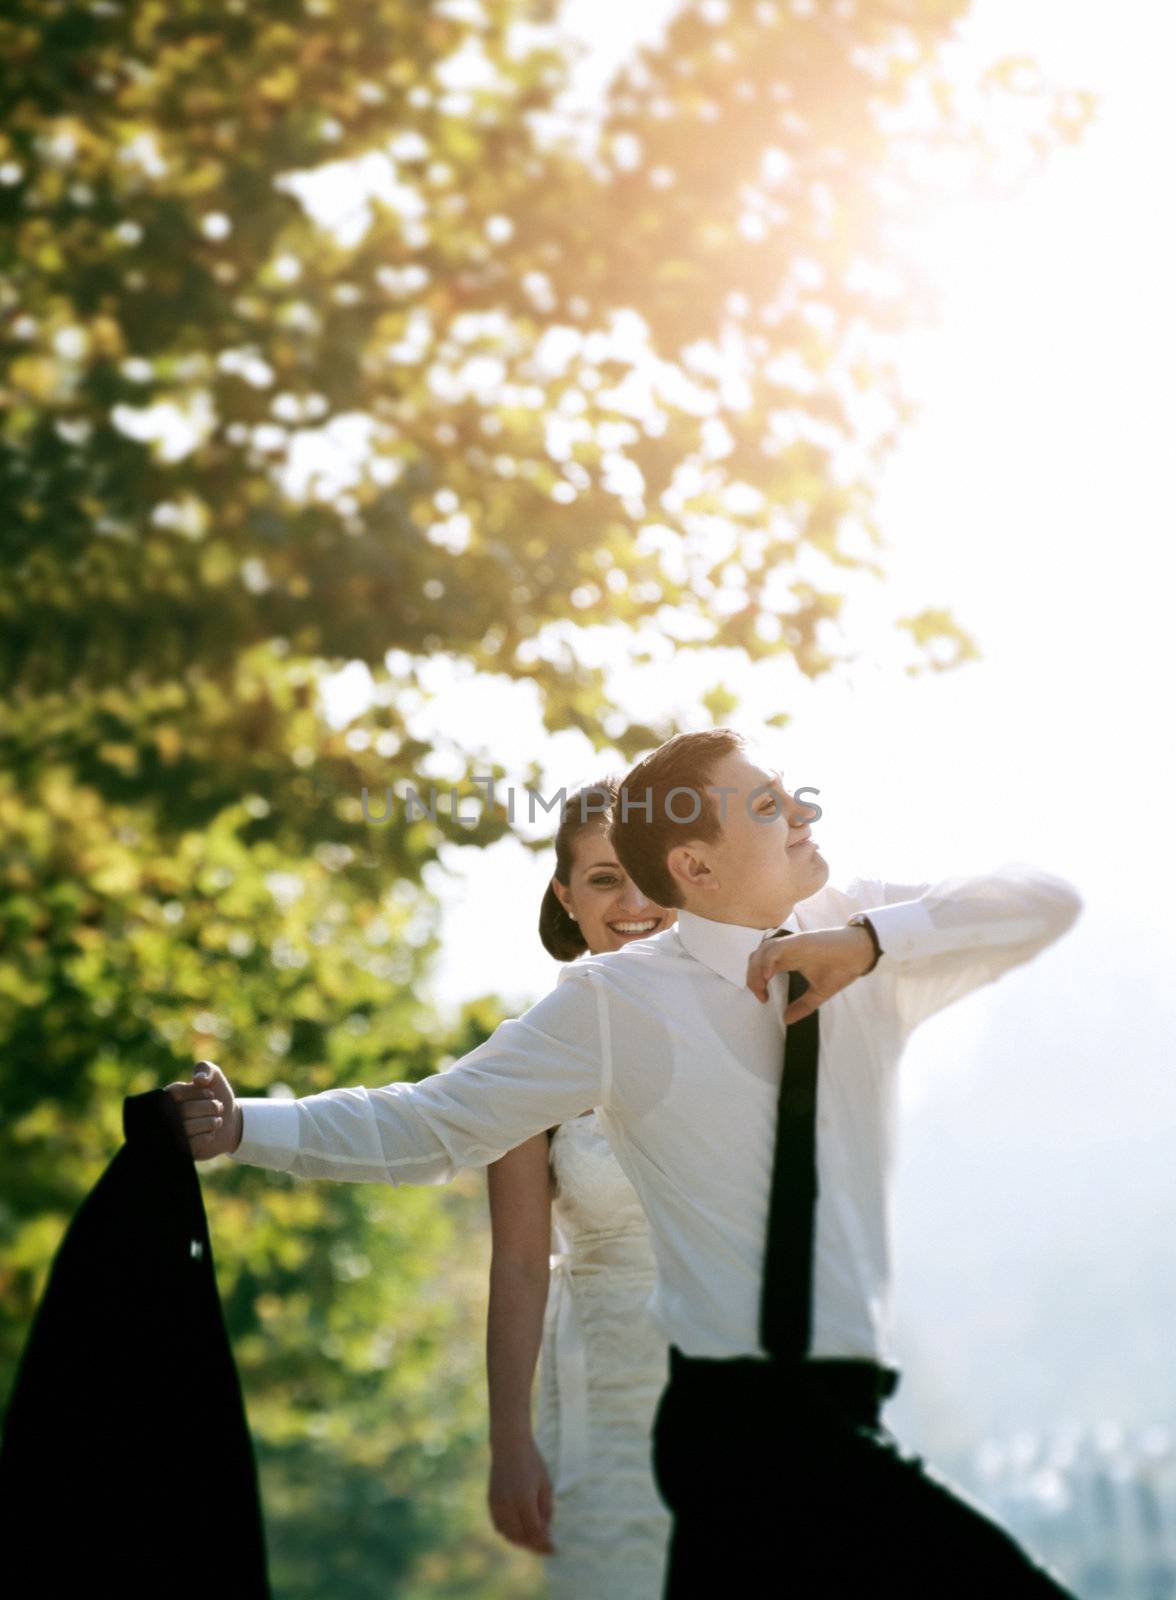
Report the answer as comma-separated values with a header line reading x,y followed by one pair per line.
x,y
604,900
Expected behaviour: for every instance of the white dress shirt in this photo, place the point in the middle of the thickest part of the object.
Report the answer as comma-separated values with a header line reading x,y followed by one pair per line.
x,y
683,1064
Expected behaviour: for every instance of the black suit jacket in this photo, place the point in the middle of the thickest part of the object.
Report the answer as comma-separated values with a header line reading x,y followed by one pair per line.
x,y
126,1460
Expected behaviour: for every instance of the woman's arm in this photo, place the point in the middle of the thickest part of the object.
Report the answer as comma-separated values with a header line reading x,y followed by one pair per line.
x,y
518,1185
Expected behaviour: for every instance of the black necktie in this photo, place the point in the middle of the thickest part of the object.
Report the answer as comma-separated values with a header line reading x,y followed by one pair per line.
x,y
786,1296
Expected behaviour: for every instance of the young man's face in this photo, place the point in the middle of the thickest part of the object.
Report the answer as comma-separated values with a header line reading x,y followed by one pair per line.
x,y
763,862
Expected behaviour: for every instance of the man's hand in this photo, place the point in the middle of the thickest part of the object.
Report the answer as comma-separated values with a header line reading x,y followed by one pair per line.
x,y
212,1118
830,958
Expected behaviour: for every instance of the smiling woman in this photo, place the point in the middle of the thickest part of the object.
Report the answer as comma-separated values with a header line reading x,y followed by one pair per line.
x,y
591,902
578,1489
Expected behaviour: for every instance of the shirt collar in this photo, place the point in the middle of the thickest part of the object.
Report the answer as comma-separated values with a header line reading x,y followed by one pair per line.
x,y
725,947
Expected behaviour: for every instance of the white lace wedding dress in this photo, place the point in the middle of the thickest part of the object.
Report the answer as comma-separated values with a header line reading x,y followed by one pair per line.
x,y
602,1368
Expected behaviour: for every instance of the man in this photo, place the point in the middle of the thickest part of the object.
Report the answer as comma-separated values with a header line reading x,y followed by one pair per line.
x,y
776,1469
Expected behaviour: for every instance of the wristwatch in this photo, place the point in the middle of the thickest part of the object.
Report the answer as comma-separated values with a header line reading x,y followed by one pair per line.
x,y
861,920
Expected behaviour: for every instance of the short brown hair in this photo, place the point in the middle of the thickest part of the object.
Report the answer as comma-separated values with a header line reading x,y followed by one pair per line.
x,y
644,828
588,807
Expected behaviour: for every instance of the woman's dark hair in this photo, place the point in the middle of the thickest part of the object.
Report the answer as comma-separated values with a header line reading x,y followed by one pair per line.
x,y
588,807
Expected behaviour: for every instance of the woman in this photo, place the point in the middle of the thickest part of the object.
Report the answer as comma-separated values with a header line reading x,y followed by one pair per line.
x,y
579,1489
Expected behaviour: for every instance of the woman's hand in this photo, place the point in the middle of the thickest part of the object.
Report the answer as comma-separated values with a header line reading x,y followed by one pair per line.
x,y
212,1117
520,1495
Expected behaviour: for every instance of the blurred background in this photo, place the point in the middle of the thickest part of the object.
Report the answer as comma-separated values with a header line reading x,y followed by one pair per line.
x,y
398,393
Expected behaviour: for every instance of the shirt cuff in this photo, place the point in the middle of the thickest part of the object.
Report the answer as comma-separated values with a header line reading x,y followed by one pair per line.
x,y
269,1135
905,930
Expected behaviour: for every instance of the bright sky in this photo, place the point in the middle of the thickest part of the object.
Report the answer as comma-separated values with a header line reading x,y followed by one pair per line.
x,y
1034,498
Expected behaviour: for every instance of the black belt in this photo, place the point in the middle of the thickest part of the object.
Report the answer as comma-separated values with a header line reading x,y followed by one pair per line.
x,y
851,1381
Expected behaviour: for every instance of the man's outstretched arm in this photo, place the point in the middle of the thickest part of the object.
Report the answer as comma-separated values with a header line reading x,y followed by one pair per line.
x,y
534,1071
941,940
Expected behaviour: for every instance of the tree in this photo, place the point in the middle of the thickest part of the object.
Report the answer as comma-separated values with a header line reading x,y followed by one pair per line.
x,y
566,382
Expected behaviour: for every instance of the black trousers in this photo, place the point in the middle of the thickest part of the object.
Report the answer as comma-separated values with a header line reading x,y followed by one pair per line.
x,y
783,1481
